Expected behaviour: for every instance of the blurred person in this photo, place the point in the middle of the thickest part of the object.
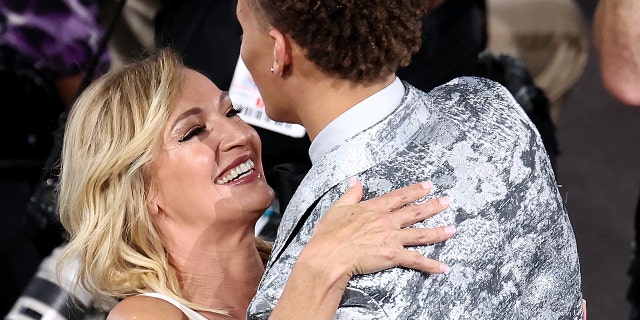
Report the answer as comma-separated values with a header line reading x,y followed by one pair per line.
x,y
45,49
162,184
454,33
469,136
132,36
551,37
617,39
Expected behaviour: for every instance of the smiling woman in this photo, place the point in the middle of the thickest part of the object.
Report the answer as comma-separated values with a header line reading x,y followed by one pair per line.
x,y
162,184
204,144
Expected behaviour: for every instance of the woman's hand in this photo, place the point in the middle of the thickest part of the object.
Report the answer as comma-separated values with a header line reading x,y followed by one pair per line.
x,y
369,236
358,237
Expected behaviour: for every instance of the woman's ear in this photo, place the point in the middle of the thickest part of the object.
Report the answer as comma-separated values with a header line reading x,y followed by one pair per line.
x,y
153,202
281,52
153,207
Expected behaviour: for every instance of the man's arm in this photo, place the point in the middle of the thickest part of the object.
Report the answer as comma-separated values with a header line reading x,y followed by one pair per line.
x,y
617,38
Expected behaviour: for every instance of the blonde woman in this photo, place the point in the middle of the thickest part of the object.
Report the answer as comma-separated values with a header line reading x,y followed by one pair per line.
x,y
161,187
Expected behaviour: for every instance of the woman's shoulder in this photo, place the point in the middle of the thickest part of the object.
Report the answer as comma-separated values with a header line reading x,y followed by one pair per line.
x,y
145,307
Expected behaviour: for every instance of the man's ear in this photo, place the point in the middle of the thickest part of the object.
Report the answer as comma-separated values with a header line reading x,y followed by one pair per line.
x,y
281,52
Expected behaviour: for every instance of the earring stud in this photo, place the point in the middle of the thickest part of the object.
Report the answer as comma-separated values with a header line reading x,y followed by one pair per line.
x,y
271,69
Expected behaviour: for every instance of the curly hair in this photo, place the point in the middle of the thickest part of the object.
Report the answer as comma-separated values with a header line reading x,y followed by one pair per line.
x,y
360,41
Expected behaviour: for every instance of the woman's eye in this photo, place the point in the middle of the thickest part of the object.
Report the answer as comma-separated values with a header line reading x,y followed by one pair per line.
x,y
193,132
234,111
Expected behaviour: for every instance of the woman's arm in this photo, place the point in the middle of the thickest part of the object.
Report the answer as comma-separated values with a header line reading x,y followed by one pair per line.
x,y
357,237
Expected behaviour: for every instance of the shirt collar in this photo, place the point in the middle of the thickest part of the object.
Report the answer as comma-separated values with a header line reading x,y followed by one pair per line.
x,y
357,119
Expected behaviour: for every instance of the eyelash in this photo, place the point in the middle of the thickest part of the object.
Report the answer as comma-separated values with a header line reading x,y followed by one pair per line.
x,y
234,111
192,133
195,131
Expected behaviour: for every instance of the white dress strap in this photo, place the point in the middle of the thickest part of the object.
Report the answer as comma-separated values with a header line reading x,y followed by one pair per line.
x,y
190,313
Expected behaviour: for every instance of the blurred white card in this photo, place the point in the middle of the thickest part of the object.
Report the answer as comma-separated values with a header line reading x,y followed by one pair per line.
x,y
243,92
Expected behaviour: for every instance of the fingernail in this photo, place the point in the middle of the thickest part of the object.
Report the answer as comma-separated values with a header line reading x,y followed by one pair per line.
x,y
427,184
353,181
449,230
444,200
445,268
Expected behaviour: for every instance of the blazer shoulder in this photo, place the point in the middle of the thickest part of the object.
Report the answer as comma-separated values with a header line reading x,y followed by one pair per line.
x,y
479,109
481,99
481,90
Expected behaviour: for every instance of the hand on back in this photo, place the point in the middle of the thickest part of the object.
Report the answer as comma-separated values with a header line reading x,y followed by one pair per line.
x,y
372,235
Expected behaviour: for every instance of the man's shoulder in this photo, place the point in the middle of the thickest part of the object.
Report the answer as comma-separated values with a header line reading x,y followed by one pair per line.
x,y
468,93
473,106
466,85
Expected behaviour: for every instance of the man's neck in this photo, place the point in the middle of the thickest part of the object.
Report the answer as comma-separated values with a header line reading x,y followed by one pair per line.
x,y
329,98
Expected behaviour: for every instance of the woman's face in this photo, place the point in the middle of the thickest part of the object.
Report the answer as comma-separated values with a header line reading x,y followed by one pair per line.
x,y
209,168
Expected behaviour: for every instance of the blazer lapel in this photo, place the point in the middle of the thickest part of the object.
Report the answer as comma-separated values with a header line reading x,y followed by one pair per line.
x,y
356,155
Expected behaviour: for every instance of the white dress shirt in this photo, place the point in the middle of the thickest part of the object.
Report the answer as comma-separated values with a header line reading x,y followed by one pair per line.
x,y
358,118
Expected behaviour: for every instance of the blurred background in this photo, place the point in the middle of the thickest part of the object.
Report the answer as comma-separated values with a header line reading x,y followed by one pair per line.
x,y
599,170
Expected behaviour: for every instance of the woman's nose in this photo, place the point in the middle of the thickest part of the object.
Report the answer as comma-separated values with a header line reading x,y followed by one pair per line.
x,y
237,133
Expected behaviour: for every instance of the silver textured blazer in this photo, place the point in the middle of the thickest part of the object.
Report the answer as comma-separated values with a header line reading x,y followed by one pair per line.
x,y
514,254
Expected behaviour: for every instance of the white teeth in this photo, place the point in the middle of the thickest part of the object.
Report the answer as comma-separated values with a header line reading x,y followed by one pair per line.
x,y
241,170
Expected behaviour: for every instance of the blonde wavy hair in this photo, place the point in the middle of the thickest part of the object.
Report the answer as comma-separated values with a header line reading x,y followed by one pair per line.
x,y
112,133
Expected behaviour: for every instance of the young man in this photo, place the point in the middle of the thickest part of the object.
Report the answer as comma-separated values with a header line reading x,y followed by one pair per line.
x,y
330,66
